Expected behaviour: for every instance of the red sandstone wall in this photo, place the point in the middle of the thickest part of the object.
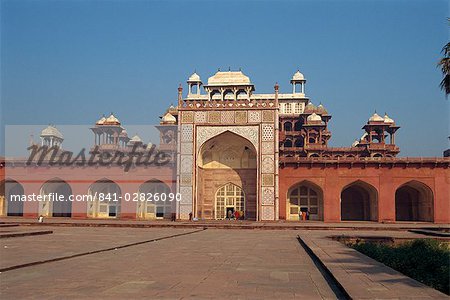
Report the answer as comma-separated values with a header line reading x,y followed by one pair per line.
x,y
385,180
332,180
80,179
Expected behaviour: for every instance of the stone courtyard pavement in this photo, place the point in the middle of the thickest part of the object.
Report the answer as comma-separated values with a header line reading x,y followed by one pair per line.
x,y
184,264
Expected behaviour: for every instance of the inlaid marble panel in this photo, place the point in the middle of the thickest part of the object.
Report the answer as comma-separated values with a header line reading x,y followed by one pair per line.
x,y
200,116
187,116
254,116
241,117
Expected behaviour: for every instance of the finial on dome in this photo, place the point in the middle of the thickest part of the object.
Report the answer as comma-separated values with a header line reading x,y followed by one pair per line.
x,y
180,88
375,117
387,119
298,77
276,86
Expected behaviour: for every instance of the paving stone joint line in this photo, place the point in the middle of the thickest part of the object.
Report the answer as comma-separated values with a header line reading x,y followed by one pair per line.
x,y
96,251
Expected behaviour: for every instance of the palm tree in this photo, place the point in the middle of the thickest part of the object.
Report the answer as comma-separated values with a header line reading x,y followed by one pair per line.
x,y
444,63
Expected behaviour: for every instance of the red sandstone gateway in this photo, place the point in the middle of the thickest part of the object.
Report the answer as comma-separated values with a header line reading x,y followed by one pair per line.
x,y
231,150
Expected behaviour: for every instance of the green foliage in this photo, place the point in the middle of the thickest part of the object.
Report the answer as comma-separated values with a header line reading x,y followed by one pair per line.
x,y
444,64
425,260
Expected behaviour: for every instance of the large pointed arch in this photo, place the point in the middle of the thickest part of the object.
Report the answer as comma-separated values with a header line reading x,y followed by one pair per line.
x,y
229,198
414,201
154,200
11,194
226,158
106,197
56,193
205,153
305,196
359,202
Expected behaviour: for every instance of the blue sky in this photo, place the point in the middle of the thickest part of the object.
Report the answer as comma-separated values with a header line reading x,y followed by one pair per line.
x,y
69,62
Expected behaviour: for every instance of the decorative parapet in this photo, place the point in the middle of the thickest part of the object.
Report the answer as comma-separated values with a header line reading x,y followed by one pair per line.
x,y
441,162
221,104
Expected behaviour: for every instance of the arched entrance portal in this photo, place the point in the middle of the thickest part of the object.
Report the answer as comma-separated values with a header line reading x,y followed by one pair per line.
x,y
152,209
229,199
56,193
106,196
11,194
359,202
414,202
226,171
305,197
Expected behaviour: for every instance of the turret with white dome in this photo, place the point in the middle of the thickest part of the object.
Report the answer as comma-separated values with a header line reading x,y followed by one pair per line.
x,y
51,136
298,79
135,140
108,133
168,118
377,131
194,83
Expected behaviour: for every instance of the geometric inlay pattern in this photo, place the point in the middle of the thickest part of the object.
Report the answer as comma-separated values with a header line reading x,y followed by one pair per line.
x,y
186,148
268,196
186,164
200,117
267,164
186,194
214,117
241,117
187,133
254,116
267,133
268,116
205,133
187,116
227,117
186,179
267,179
268,213
267,148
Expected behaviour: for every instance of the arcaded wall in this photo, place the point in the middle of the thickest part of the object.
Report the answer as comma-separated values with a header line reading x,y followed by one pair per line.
x,y
384,179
